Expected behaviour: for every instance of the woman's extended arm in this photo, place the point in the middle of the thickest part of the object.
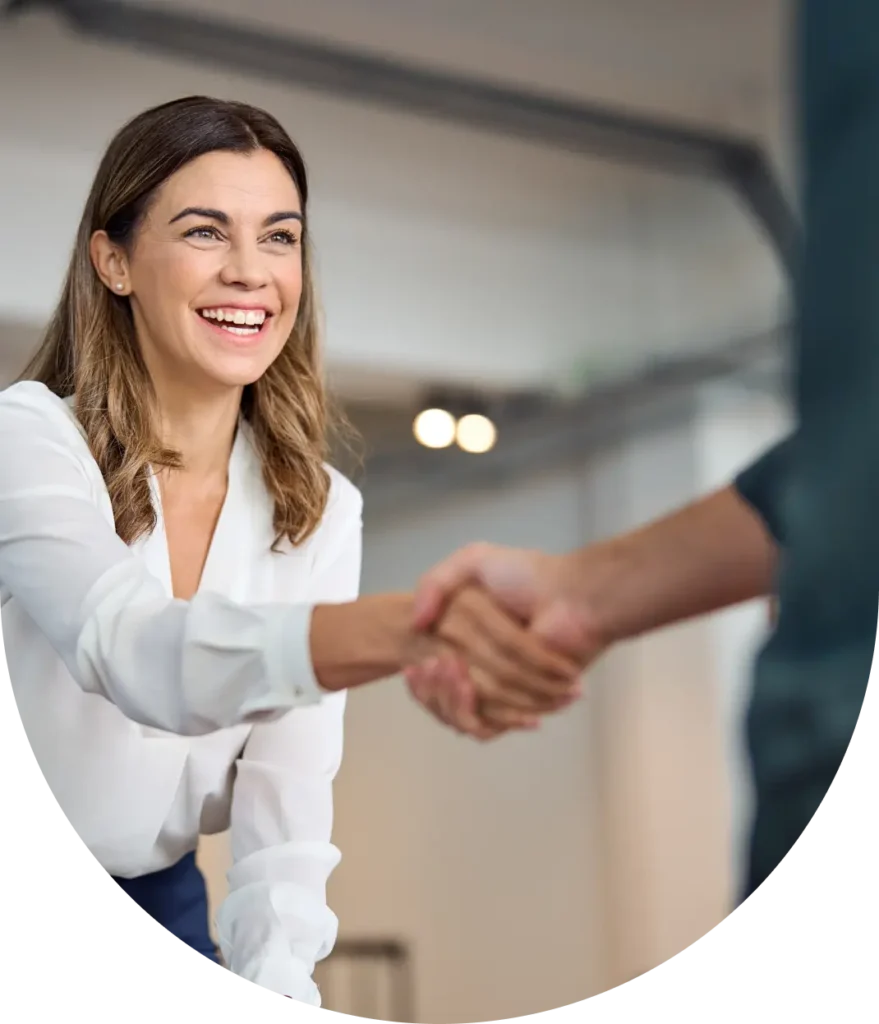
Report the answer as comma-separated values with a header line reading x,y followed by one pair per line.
x,y
188,667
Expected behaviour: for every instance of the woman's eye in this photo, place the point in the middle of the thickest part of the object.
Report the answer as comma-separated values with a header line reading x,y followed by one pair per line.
x,y
210,233
284,238
206,231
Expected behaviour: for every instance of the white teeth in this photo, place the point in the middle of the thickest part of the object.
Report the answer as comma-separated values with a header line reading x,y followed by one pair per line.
x,y
236,316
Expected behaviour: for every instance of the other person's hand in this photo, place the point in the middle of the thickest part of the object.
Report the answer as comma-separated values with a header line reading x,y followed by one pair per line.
x,y
535,588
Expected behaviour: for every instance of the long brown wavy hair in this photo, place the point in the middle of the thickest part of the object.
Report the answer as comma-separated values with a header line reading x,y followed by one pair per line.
x,y
90,349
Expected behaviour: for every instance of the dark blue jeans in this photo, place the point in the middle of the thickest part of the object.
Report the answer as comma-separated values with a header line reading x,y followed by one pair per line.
x,y
177,898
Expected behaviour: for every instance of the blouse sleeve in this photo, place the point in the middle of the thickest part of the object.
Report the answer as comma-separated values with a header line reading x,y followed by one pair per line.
x,y
275,923
188,667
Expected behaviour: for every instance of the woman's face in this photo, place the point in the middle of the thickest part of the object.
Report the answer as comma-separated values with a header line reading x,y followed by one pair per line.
x,y
215,271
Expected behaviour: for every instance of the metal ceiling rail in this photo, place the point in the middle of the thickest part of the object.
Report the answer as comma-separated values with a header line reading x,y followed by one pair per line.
x,y
367,77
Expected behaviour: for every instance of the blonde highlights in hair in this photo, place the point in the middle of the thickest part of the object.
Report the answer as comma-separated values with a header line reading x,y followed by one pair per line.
x,y
90,349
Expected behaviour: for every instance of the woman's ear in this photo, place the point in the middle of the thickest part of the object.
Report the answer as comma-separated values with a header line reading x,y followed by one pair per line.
x,y
110,263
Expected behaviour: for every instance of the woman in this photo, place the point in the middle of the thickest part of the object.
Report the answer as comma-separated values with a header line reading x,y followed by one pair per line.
x,y
176,558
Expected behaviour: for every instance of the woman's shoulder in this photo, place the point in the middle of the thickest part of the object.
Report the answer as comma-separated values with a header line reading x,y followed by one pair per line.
x,y
341,520
345,501
342,493
31,409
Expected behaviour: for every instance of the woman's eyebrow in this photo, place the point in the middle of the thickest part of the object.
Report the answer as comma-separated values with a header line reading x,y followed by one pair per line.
x,y
201,211
223,218
282,215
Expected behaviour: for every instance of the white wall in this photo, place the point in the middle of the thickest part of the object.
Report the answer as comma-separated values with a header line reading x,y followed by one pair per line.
x,y
630,848
546,868
675,786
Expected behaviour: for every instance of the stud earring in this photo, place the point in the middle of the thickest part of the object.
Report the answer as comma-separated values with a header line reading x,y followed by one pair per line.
x,y
119,286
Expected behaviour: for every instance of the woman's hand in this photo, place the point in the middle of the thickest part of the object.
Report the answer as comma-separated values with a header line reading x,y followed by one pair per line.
x,y
482,672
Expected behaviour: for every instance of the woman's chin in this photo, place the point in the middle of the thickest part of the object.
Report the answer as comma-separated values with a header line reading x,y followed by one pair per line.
x,y
240,380
236,373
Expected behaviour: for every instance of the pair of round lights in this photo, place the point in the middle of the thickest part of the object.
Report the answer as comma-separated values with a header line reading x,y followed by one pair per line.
x,y
437,428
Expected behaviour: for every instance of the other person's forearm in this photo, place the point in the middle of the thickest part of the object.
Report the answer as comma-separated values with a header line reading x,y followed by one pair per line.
x,y
709,555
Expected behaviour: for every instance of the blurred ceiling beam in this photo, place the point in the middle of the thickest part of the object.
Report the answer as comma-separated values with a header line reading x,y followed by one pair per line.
x,y
359,76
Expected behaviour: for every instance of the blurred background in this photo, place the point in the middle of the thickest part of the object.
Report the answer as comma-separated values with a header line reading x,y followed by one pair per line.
x,y
571,220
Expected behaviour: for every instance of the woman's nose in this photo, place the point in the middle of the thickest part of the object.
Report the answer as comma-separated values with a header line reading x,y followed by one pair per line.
x,y
245,268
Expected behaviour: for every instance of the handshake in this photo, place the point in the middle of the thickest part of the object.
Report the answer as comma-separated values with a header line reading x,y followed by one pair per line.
x,y
500,638
497,637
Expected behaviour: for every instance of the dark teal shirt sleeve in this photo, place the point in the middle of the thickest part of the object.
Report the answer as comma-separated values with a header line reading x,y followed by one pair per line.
x,y
761,485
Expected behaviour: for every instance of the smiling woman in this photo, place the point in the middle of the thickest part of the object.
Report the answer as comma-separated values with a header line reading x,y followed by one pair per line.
x,y
209,216
172,541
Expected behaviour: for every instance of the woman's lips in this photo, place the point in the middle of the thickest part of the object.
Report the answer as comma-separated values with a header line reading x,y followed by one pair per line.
x,y
238,334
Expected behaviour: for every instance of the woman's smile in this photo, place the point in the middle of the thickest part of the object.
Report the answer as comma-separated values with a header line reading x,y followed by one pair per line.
x,y
239,325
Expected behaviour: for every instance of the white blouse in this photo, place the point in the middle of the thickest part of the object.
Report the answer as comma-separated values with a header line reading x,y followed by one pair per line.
x,y
155,720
